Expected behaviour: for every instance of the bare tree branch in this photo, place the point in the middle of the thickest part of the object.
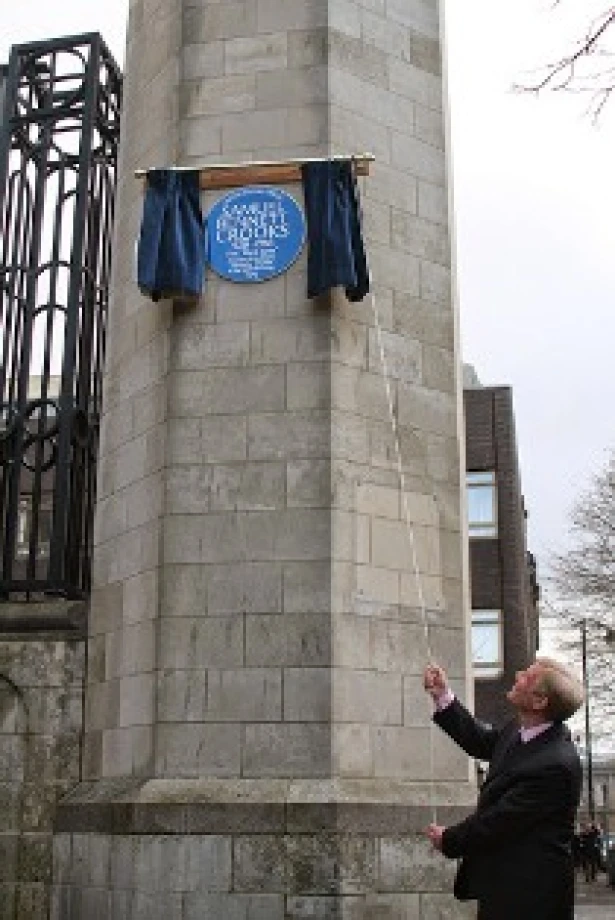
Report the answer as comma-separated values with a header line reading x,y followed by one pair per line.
x,y
582,70
584,584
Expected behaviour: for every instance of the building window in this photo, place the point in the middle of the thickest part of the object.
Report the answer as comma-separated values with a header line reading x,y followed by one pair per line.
x,y
482,504
24,527
487,645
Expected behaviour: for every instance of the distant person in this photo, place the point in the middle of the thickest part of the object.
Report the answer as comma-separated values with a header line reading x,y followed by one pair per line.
x,y
583,847
576,849
516,847
590,838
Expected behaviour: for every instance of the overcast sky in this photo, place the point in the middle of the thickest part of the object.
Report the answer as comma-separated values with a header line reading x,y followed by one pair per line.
x,y
535,205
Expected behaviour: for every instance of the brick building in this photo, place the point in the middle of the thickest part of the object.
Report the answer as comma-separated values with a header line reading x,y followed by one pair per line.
x,y
504,589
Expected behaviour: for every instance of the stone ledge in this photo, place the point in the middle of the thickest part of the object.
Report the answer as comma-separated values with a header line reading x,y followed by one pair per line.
x,y
29,619
257,807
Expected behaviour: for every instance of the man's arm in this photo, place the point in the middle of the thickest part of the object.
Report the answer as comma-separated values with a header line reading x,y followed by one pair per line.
x,y
528,803
475,739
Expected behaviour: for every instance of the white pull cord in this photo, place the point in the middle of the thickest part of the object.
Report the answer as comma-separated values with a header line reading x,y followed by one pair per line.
x,y
410,531
402,478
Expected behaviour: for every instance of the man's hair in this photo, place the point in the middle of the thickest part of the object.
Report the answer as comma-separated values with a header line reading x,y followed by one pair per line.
x,y
562,688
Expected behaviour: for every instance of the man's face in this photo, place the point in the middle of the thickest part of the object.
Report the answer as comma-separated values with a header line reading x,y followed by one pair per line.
x,y
525,694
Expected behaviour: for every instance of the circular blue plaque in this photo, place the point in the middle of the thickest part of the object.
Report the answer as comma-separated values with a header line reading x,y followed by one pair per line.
x,y
255,233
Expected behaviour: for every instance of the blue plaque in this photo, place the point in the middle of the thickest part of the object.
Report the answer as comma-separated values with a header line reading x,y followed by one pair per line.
x,y
255,233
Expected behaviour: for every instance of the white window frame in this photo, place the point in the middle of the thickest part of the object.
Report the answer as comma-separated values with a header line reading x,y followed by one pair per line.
x,y
23,529
482,481
487,670
24,517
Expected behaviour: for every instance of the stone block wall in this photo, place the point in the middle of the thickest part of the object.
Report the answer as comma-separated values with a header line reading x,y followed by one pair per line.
x,y
256,639
41,722
250,878
386,95
249,860
251,533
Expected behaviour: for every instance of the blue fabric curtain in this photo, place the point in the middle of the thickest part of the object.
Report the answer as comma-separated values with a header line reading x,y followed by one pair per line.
x,y
336,252
172,251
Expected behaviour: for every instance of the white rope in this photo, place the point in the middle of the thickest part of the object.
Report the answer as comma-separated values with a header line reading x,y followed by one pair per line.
x,y
410,531
402,479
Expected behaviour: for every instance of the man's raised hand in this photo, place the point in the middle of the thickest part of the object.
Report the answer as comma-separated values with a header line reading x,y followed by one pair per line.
x,y
435,681
434,833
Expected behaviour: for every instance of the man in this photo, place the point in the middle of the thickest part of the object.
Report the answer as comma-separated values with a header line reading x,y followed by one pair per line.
x,y
590,850
516,847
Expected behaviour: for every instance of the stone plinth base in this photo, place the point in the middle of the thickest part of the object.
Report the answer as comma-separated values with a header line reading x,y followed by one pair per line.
x,y
42,672
206,850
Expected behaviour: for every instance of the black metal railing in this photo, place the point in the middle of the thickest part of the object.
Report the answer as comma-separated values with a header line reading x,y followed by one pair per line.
x,y
59,136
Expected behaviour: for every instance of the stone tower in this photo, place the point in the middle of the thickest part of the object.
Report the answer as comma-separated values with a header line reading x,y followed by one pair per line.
x,y
257,743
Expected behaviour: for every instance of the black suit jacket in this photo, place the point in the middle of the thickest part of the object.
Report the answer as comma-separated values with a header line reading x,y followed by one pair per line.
x,y
516,847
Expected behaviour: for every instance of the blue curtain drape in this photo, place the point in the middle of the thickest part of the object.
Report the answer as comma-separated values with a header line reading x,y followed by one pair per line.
x,y
172,250
336,252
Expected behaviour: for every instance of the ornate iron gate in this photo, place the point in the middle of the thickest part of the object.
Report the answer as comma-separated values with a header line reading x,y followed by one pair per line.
x,y
59,140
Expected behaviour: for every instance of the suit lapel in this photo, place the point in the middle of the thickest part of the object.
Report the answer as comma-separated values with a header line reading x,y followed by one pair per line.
x,y
511,749
510,741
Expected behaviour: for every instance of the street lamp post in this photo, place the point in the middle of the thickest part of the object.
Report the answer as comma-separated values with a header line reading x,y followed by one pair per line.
x,y
588,741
